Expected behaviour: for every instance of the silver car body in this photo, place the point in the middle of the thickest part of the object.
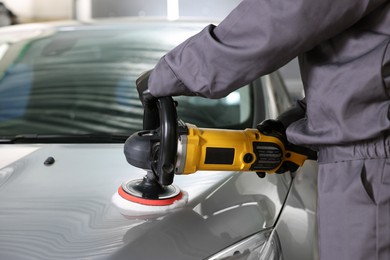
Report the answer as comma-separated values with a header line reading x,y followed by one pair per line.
x,y
63,209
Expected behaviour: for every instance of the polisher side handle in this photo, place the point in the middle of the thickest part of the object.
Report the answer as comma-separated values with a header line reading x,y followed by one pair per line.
x,y
168,140
151,119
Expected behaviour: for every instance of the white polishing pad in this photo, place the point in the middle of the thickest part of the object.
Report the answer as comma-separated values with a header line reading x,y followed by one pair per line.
x,y
133,209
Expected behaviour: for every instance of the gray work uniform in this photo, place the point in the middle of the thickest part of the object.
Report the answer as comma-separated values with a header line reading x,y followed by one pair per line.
x,y
345,66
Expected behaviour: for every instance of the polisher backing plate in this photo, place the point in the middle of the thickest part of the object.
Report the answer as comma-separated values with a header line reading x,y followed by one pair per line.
x,y
130,190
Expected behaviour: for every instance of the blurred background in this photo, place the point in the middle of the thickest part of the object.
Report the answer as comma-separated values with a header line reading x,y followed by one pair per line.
x,y
30,11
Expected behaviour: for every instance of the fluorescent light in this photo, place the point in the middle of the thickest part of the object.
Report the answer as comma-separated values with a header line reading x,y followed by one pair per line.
x,y
172,9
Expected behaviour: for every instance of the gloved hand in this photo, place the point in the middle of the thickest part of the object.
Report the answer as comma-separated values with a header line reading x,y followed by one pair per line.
x,y
151,115
147,99
272,127
275,127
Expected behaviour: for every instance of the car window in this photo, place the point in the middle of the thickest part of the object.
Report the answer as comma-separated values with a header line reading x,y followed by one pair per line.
x,y
282,97
82,81
233,111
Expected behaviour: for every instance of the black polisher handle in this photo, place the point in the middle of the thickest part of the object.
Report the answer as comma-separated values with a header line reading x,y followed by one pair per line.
x,y
168,140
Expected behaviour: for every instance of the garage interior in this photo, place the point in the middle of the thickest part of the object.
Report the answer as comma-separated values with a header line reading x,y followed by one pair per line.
x,y
32,11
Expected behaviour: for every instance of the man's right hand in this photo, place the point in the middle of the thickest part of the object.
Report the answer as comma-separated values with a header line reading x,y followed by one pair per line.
x,y
272,127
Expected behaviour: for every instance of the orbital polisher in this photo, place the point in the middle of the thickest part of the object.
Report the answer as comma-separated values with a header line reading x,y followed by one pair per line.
x,y
168,146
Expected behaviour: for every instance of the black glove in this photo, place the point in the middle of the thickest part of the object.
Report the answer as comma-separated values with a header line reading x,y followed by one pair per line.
x,y
147,99
151,116
276,128
272,127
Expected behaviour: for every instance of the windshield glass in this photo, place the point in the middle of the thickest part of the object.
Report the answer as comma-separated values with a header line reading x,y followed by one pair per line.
x,y
83,81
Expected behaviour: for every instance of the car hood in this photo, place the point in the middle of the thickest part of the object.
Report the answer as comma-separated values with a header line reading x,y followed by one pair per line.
x,y
64,210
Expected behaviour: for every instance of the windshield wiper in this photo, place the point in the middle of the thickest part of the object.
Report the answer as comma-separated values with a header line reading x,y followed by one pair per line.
x,y
64,138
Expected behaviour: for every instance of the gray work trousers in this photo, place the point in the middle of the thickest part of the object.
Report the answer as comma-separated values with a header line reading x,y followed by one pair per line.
x,y
354,201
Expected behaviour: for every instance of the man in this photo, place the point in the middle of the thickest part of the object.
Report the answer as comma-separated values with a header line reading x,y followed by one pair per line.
x,y
345,66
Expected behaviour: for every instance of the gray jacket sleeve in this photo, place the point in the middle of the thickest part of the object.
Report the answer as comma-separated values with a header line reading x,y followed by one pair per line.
x,y
256,38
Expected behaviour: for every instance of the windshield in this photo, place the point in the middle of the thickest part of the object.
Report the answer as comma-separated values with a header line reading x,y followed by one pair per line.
x,y
83,81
